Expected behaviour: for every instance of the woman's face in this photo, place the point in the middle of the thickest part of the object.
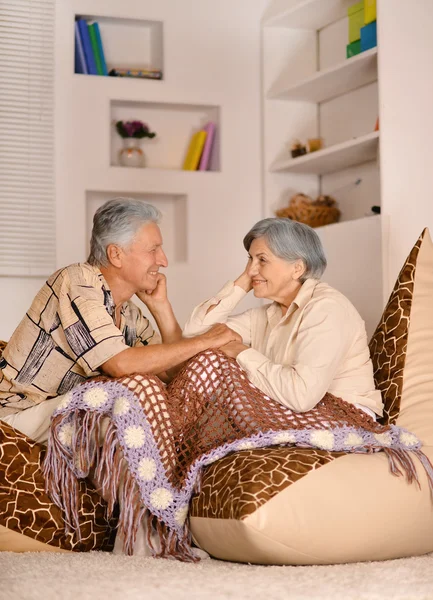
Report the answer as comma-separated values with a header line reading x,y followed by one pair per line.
x,y
273,277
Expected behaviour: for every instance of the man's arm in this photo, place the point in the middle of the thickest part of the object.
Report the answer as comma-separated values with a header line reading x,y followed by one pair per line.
x,y
162,311
155,359
159,305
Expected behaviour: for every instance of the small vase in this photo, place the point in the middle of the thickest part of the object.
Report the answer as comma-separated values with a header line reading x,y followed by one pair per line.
x,y
131,155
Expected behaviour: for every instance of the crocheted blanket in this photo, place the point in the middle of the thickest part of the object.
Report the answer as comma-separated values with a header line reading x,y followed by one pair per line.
x,y
145,444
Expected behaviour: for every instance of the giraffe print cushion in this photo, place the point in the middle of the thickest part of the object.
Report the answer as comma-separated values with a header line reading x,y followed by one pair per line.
x,y
388,345
28,518
300,506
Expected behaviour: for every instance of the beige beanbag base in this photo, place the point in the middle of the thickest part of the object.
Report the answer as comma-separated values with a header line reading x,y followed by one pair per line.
x,y
12,541
349,510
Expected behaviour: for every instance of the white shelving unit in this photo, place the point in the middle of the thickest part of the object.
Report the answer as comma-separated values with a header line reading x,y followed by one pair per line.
x,y
345,77
306,14
132,43
174,123
311,90
336,158
173,113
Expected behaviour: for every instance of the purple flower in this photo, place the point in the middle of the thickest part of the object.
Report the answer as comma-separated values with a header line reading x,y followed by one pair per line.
x,y
135,129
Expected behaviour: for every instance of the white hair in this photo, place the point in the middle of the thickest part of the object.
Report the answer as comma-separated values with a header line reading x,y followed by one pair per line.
x,y
291,241
117,222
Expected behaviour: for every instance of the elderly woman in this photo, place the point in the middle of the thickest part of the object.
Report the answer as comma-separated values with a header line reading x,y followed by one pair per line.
x,y
310,340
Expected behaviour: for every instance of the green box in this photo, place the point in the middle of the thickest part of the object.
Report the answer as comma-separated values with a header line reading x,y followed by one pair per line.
x,y
356,21
353,49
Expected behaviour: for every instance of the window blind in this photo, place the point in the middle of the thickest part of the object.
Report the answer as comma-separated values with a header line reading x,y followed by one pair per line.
x,y
27,206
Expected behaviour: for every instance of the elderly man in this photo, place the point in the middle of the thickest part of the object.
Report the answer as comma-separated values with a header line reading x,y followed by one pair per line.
x,y
82,323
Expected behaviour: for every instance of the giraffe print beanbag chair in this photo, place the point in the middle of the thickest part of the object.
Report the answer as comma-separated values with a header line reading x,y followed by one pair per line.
x,y
29,521
286,505
280,505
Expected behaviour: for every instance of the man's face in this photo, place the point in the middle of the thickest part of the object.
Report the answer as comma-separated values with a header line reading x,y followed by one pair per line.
x,y
142,260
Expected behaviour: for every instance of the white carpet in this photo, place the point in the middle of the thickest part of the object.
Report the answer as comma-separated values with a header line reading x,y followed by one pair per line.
x,y
100,576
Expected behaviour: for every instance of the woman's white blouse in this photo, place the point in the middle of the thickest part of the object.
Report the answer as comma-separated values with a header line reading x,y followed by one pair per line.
x,y
318,346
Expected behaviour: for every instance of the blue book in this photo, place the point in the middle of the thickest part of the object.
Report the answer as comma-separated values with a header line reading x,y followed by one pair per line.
x,y
80,60
100,48
87,47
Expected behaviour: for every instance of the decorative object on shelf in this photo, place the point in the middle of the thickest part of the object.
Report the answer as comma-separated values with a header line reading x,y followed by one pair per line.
x,y
315,213
314,144
210,129
297,149
369,11
376,127
131,155
98,51
353,49
362,27
80,59
356,20
375,210
89,52
198,155
195,149
83,33
136,73
368,36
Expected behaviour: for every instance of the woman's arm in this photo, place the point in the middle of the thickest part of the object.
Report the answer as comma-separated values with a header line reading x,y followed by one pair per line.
x,y
243,281
221,307
323,340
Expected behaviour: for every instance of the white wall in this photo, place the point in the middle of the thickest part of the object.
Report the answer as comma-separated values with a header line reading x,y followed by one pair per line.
x,y
211,57
226,36
406,121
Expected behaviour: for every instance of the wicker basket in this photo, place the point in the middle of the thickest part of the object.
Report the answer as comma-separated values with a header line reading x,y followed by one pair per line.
x,y
314,214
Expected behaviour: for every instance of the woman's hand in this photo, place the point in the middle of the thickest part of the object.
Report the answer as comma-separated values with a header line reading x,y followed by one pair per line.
x,y
232,349
244,280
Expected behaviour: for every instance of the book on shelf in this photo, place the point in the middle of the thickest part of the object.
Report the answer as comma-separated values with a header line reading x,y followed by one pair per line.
x,y
95,48
80,59
100,47
136,73
195,150
87,47
207,149
89,52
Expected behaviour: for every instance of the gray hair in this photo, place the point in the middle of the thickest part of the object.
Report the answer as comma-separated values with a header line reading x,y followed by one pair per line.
x,y
117,222
291,241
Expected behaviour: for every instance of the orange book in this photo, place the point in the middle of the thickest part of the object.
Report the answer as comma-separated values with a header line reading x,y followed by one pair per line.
x,y
194,151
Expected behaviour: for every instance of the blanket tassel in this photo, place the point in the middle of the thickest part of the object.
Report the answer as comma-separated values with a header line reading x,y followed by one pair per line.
x,y
401,463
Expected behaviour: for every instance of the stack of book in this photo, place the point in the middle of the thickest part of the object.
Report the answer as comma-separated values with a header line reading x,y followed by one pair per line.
x,y
90,59
89,52
199,152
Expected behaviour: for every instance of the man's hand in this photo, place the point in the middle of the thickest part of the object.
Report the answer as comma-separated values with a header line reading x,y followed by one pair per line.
x,y
219,335
232,349
157,297
244,280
